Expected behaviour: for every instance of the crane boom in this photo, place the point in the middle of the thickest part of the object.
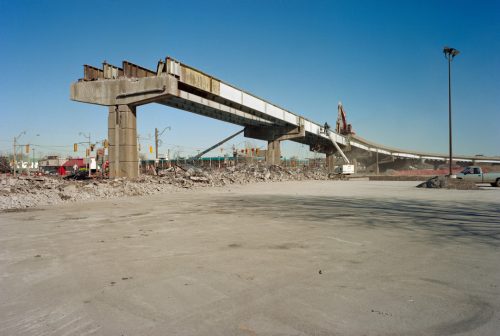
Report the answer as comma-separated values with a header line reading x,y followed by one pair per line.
x,y
330,135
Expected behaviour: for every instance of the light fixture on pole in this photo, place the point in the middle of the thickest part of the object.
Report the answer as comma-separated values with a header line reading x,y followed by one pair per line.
x,y
450,54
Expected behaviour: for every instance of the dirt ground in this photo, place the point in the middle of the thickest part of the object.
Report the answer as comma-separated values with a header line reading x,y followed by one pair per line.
x,y
289,258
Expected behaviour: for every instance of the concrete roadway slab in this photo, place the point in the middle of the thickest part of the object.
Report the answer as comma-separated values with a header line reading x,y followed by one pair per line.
x,y
294,258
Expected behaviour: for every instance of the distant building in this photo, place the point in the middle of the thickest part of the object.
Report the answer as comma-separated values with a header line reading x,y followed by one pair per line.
x,y
70,164
53,164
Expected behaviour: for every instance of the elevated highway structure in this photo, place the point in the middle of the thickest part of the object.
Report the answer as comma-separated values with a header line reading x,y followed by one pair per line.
x,y
172,83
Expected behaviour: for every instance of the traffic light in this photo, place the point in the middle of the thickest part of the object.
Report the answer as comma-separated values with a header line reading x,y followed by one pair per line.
x,y
105,143
92,147
75,147
151,149
27,149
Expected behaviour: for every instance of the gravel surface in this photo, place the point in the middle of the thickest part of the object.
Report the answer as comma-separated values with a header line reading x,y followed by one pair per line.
x,y
293,258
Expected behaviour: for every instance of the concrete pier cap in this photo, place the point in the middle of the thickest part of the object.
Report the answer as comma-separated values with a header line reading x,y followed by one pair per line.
x,y
122,92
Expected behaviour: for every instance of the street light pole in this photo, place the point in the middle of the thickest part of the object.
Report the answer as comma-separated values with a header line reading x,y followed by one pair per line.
x,y
156,148
15,159
14,148
33,150
157,143
449,115
450,53
87,157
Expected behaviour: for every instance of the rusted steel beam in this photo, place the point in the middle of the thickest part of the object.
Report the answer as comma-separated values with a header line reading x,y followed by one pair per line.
x,y
134,70
192,76
91,73
161,67
111,71
173,67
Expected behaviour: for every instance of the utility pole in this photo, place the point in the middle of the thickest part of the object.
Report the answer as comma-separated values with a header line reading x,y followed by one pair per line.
x,y
157,144
15,160
28,154
90,143
33,149
156,148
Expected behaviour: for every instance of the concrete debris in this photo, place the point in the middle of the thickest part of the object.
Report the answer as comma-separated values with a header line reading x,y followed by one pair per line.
x,y
447,183
26,191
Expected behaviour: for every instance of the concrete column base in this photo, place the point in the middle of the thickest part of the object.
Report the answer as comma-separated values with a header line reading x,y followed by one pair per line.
x,y
330,159
273,154
122,134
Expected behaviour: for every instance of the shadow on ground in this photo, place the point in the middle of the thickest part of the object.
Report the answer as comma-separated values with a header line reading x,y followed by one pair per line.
x,y
478,221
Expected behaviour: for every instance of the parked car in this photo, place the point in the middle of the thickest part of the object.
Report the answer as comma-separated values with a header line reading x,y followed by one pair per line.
x,y
476,174
79,175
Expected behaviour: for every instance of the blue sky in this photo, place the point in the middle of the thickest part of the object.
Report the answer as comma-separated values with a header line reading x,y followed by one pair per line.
x,y
382,59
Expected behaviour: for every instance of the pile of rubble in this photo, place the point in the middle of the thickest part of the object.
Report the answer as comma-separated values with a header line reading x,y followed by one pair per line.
x,y
30,191
448,183
187,177
25,191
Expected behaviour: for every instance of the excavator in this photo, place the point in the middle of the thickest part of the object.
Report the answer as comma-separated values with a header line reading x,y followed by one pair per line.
x,y
343,128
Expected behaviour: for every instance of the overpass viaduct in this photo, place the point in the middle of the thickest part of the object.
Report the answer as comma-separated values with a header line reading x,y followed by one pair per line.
x,y
123,89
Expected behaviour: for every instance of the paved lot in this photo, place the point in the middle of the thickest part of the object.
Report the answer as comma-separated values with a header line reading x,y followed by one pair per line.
x,y
295,258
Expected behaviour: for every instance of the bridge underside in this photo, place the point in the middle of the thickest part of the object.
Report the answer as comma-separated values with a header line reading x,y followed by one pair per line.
x,y
180,86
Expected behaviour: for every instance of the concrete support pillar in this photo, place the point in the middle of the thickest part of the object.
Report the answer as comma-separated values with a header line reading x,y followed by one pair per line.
x,y
273,154
122,134
330,158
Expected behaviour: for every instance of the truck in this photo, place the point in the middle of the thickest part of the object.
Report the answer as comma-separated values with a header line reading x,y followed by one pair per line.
x,y
476,174
346,169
